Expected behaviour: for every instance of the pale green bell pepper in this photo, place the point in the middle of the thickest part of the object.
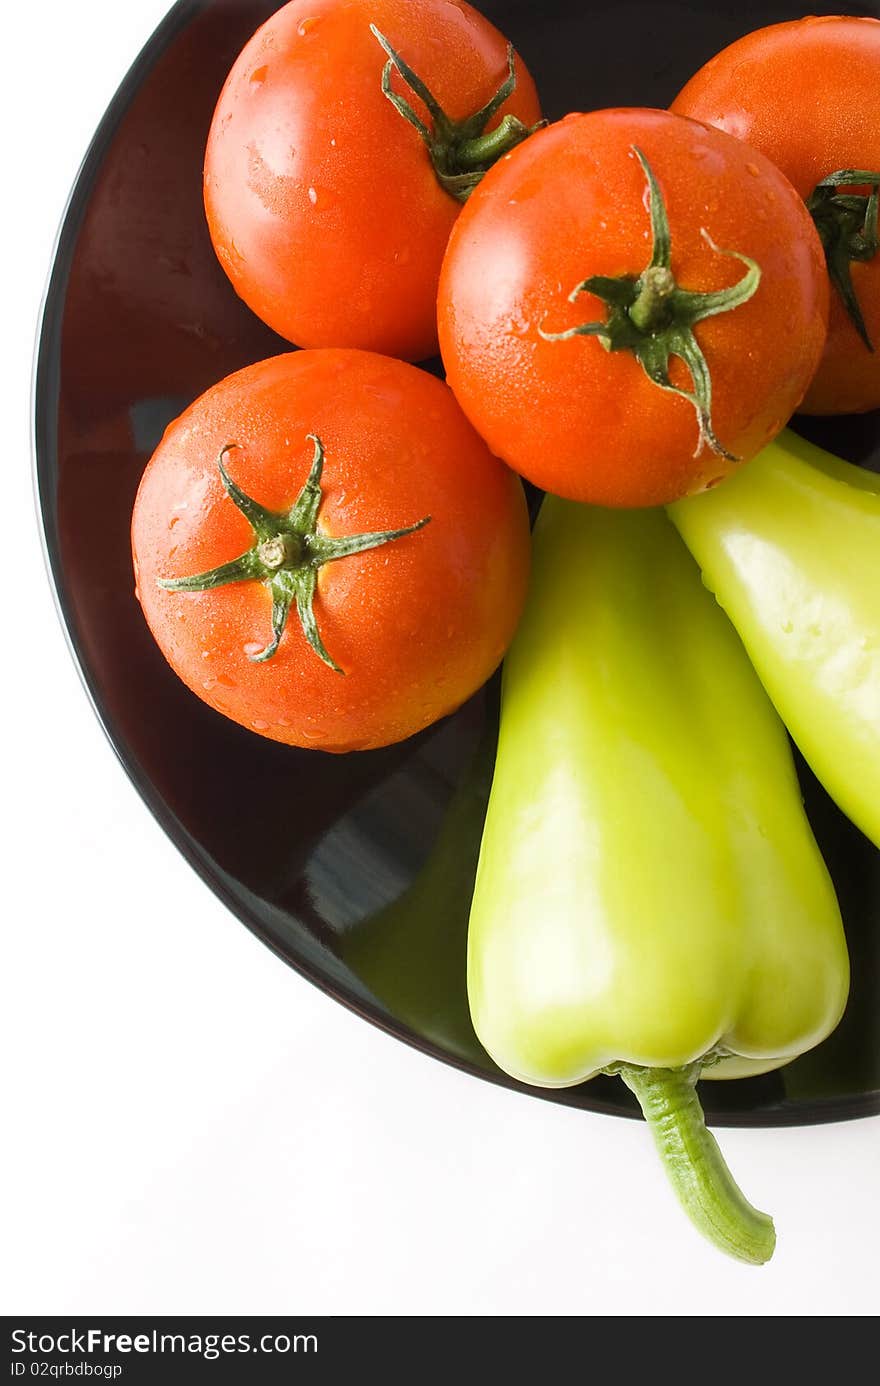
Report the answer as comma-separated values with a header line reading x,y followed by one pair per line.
x,y
790,546
650,900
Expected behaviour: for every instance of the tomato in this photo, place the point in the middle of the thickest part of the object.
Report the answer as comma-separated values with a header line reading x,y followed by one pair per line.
x,y
322,199
566,236
374,644
807,94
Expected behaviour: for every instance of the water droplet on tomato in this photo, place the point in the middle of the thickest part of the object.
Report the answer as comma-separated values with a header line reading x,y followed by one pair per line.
x,y
306,26
226,681
517,323
253,647
175,519
258,76
208,684
313,196
258,725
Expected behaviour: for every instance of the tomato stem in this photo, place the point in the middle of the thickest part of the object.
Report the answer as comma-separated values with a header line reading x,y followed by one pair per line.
x,y
649,310
286,555
848,229
695,1165
480,153
461,151
283,551
653,317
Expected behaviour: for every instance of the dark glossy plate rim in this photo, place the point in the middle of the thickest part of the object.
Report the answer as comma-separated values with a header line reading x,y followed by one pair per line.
x,y
45,388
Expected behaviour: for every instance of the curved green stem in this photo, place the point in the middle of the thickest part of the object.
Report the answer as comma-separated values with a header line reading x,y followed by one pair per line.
x,y
848,229
696,1168
480,153
461,151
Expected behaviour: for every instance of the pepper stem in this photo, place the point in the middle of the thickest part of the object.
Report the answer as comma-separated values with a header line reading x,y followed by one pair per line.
x,y
696,1168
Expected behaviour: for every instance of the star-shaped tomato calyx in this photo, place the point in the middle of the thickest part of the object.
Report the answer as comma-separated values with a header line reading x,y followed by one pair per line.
x,y
651,316
287,552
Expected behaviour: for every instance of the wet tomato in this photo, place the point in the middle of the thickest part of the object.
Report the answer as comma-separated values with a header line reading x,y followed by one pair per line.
x,y
630,304
807,95
326,552
330,200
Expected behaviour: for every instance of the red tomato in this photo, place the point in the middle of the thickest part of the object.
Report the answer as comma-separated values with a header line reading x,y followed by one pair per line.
x,y
574,202
807,94
322,200
417,623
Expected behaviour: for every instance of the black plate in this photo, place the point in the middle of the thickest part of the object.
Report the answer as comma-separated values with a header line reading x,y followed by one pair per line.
x,y
361,883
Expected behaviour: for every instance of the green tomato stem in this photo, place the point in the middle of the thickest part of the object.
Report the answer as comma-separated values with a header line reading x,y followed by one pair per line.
x,y
478,154
848,229
281,551
651,316
694,1164
461,151
287,552
650,309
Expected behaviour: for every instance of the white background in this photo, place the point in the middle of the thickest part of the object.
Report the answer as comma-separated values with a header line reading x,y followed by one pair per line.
x,y
191,1127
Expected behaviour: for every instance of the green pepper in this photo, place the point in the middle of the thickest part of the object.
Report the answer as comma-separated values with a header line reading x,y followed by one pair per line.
x,y
650,900
791,548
